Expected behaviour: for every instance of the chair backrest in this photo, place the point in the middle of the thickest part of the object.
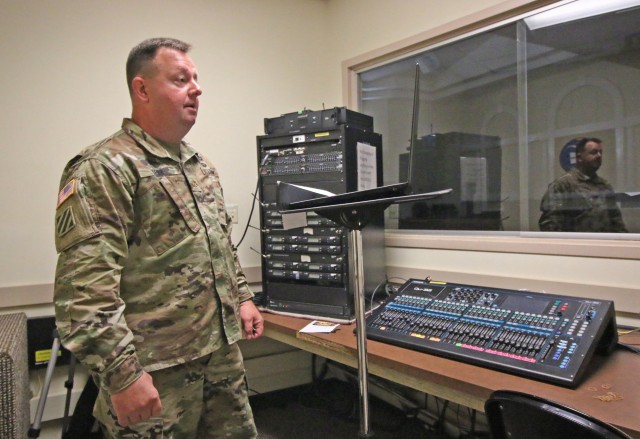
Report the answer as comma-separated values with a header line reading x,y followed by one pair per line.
x,y
14,377
516,415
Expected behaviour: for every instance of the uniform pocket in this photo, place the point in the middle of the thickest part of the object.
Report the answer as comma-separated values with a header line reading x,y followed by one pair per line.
x,y
152,428
167,220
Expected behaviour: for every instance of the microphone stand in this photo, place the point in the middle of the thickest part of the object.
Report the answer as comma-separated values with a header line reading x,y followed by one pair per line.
x,y
355,219
354,216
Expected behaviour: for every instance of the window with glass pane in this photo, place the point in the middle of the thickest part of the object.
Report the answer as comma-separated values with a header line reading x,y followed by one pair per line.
x,y
500,115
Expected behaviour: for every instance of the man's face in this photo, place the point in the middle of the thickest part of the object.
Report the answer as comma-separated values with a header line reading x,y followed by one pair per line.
x,y
590,160
173,91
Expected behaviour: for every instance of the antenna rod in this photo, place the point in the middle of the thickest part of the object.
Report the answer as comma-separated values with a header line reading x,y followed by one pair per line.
x,y
414,123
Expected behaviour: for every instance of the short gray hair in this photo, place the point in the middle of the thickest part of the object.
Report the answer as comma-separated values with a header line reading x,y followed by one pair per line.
x,y
142,55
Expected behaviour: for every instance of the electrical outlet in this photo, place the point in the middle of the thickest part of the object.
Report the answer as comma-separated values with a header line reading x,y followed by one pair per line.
x,y
232,210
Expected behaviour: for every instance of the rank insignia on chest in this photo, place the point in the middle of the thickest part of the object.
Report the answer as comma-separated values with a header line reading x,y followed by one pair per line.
x,y
68,190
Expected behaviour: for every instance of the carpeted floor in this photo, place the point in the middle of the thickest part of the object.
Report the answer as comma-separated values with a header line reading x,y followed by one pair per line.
x,y
328,411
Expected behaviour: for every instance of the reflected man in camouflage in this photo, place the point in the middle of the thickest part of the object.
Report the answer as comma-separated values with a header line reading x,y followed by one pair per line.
x,y
149,293
580,200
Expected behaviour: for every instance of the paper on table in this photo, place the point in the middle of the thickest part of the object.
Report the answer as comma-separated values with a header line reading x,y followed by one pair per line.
x,y
320,326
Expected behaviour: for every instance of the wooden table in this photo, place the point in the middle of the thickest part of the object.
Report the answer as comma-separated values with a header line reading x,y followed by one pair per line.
x,y
471,385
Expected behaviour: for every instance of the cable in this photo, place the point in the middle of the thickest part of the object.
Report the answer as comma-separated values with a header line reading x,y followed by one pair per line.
x,y
255,195
389,289
630,347
253,205
624,330
316,376
633,347
442,416
473,422
375,290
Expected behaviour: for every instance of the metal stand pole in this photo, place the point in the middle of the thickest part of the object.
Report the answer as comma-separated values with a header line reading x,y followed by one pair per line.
x,y
361,334
34,431
69,386
354,216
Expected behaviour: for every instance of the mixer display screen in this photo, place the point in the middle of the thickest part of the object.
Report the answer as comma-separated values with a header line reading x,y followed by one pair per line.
x,y
541,336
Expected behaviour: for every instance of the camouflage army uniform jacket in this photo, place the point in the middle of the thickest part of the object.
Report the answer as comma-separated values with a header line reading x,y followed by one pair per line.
x,y
577,203
146,276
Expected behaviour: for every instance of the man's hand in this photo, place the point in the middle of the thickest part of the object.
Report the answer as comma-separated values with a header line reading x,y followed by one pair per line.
x,y
252,321
138,402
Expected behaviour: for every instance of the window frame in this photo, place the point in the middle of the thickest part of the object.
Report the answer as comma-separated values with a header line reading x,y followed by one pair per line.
x,y
611,246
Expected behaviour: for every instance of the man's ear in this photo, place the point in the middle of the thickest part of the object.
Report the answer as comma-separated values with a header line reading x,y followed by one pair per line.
x,y
138,86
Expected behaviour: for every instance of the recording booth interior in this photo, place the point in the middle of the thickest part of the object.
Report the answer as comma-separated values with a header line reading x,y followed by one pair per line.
x,y
470,165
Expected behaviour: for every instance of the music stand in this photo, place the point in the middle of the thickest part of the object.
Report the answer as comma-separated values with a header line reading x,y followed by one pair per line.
x,y
353,210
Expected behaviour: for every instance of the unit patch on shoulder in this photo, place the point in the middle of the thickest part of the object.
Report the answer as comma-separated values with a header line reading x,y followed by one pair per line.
x,y
65,221
68,190
74,221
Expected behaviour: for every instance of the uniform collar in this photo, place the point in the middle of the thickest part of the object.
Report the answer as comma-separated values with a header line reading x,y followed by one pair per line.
x,y
583,177
152,145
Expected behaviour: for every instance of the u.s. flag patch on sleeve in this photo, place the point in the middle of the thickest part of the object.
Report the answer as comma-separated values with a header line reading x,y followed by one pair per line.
x,y
74,222
68,190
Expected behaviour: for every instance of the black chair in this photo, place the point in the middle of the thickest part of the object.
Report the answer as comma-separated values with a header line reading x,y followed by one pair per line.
x,y
516,415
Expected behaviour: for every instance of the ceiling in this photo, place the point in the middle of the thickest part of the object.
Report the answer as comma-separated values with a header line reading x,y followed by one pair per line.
x,y
492,56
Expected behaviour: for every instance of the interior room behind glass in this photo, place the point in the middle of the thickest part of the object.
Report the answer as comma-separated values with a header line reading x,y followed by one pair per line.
x,y
500,112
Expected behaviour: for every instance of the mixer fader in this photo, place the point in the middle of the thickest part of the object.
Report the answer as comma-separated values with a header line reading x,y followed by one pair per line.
x,y
537,335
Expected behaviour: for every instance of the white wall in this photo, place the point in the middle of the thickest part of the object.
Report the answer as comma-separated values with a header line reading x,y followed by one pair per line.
x,y
63,87
365,25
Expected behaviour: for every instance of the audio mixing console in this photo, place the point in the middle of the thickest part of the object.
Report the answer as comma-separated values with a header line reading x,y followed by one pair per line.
x,y
537,335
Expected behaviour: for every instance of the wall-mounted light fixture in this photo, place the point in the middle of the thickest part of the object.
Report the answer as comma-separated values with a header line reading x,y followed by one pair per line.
x,y
577,10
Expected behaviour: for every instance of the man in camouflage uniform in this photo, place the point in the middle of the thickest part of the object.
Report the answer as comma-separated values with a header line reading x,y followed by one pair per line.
x,y
149,293
580,200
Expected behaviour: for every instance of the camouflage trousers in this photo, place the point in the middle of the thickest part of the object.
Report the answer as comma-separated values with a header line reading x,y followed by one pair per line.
x,y
203,399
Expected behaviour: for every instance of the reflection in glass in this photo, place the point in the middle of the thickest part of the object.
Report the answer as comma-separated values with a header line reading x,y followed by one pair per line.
x,y
497,110
581,200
